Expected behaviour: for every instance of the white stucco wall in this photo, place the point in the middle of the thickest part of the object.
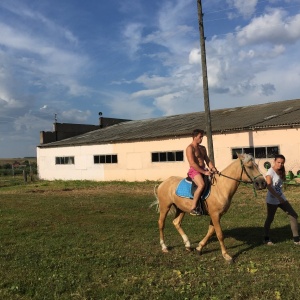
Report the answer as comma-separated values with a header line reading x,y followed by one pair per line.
x,y
288,141
134,159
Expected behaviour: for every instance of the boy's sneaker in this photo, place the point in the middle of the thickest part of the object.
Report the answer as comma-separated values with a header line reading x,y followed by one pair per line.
x,y
296,240
195,212
268,242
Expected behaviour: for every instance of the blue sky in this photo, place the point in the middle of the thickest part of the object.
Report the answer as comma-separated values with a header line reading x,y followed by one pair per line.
x,y
138,59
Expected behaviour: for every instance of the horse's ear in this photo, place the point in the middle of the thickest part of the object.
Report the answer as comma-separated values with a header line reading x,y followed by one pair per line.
x,y
240,156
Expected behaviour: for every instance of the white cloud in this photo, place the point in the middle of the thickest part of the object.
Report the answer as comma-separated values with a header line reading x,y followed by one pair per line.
x,y
64,115
151,92
267,89
50,64
8,102
169,30
75,116
16,40
245,8
173,33
152,81
195,56
274,28
19,9
29,123
45,67
122,105
167,37
261,52
167,102
174,13
236,62
133,38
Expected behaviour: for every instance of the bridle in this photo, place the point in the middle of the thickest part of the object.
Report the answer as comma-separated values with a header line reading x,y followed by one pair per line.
x,y
252,179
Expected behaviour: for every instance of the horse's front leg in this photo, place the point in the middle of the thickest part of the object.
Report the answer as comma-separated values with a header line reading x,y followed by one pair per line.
x,y
204,241
216,222
177,223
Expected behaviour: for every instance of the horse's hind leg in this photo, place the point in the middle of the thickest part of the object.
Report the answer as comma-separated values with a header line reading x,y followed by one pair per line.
x,y
177,223
203,242
161,225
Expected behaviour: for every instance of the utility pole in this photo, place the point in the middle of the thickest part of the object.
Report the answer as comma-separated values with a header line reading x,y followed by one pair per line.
x,y
205,84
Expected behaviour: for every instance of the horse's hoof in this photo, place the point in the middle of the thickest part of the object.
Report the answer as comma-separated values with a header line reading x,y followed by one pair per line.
x,y
229,261
199,251
165,250
188,249
228,258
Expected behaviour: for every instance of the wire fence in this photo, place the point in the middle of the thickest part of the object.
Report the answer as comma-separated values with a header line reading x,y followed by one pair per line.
x,y
19,171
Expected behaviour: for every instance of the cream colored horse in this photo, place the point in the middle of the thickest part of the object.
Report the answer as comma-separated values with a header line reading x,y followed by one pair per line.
x,y
243,169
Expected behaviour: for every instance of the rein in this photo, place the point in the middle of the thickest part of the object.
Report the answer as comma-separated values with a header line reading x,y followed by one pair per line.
x,y
243,181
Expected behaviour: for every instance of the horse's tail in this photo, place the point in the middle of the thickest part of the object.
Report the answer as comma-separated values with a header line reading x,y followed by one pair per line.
x,y
156,201
172,210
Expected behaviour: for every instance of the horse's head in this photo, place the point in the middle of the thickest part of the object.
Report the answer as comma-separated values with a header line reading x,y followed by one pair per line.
x,y
251,172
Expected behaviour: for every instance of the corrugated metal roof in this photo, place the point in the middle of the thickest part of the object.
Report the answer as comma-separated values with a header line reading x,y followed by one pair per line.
x,y
269,115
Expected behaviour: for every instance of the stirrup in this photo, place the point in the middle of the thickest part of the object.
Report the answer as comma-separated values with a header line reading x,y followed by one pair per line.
x,y
195,212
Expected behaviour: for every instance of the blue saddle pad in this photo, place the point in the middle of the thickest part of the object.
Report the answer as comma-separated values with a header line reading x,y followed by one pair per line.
x,y
184,190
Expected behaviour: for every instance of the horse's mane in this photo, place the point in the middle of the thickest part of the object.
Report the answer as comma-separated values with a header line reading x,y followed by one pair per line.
x,y
247,157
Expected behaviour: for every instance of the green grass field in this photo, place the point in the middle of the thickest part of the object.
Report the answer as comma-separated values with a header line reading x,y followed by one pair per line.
x,y
88,240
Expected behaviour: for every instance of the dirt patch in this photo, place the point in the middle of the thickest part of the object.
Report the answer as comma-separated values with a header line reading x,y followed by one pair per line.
x,y
148,190
140,188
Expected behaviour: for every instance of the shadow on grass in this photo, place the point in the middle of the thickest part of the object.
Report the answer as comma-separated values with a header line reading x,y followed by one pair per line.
x,y
252,237
248,238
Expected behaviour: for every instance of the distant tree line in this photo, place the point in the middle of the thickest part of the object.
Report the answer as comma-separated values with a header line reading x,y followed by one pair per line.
x,y
18,168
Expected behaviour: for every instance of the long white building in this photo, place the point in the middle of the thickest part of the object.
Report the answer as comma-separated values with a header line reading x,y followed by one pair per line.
x,y
154,149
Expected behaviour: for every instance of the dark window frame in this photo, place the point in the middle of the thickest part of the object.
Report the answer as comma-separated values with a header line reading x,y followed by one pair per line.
x,y
106,159
270,151
167,156
64,160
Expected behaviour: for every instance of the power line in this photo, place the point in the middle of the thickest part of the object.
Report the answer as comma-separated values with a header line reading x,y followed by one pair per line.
x,y
260,11
236,31
231,8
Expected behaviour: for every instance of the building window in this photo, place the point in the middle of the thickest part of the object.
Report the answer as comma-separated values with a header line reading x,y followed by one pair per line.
x,y
167,156
260,152
256,152
106,159
64,160
249,150
272,151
